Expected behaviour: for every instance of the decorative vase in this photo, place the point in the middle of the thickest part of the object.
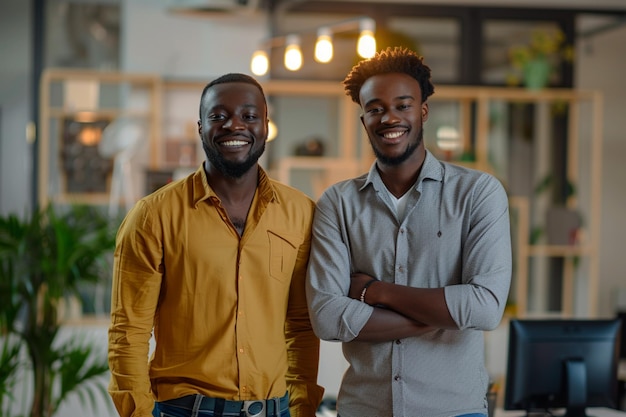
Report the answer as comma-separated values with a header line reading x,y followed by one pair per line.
x,y
536,73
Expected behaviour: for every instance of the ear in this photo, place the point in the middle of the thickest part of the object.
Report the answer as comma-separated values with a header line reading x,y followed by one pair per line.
x,y
200,127
424,111
362,120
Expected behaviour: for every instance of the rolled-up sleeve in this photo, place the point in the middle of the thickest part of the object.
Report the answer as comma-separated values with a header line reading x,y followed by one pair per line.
x,y
478,303
335,316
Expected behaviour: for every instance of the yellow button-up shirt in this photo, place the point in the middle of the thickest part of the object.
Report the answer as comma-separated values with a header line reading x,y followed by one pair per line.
x,y
229,313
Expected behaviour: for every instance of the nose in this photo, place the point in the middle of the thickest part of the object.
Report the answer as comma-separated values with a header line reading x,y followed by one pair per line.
x,y
389,117
234,123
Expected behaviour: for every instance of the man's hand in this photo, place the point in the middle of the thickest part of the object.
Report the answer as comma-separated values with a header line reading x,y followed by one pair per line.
x,y
357,283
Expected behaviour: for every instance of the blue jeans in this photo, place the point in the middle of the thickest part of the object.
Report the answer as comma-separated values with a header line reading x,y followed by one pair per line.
x,y
462,415
473,415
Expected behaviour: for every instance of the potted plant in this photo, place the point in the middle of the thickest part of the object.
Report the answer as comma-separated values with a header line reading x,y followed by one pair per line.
x,y
535,62
44,258
562,224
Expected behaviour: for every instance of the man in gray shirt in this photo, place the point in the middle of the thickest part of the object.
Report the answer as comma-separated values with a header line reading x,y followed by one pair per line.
x,y
410,262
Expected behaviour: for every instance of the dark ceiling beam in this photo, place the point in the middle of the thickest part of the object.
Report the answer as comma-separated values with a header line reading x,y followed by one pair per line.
x,y
423,9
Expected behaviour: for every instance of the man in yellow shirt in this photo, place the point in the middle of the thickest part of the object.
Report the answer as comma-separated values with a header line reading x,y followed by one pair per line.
x,y
214,264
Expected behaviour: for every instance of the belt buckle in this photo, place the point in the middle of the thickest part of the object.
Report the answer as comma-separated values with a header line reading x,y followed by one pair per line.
x,y
254,408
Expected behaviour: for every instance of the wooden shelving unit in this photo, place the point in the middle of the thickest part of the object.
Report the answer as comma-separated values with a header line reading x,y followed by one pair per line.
x,y
72,94
350,154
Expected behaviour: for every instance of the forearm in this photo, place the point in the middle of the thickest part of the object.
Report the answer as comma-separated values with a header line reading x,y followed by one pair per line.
x,y
386,325
422,305
130,385
303,361
425,306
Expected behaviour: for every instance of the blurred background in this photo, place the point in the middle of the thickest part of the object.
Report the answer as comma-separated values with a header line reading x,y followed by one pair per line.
x,y
99,101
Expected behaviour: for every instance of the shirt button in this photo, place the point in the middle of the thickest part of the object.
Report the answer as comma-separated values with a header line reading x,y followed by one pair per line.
x,y
244,389
398,341
401,268
240,350
401,231
396,378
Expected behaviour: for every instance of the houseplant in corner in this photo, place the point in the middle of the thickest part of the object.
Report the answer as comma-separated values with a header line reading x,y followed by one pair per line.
x,y
44,257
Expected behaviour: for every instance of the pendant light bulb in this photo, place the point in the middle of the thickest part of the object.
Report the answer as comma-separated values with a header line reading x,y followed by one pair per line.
x,y
260,63
293,54
366,46
324,46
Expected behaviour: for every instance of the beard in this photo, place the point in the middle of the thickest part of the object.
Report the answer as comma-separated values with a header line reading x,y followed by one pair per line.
x,y
397,160
228,168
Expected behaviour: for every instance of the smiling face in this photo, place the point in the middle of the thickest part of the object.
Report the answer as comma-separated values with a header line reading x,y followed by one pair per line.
x,y
233,127
393,116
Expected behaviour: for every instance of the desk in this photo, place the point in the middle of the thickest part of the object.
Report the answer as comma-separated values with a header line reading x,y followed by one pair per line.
x,y
591,412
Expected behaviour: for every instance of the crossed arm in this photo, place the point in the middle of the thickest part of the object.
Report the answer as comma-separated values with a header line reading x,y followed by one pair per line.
x,y
399,311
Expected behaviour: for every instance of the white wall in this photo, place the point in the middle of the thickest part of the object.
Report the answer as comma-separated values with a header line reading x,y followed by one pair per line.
x,y
182,46
598,66
15,102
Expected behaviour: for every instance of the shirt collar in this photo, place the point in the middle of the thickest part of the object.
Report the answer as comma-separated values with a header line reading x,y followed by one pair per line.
x,y
432,169
201,190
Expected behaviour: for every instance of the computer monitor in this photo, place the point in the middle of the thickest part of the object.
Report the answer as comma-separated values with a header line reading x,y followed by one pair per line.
x,y
558,363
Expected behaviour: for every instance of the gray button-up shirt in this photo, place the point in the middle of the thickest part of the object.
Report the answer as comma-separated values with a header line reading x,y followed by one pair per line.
x,y
455,234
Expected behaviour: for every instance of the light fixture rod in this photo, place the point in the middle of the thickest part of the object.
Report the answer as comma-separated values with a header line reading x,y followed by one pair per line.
x,y
338,27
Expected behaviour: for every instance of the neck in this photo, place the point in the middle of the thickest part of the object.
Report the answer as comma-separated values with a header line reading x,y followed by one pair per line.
x,y
400,178
233,190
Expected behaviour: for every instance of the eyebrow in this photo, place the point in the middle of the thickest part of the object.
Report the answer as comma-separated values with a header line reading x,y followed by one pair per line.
x,y
246,106
375,100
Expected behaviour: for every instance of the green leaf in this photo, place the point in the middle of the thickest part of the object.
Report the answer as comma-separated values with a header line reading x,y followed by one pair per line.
x,y
45,256
79,372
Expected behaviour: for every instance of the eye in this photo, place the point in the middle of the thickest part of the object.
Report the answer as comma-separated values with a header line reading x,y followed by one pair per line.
x,y
215,117
374,110
404,106
250,117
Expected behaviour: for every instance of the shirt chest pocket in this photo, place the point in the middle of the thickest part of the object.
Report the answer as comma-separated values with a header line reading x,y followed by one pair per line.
x,y
283,255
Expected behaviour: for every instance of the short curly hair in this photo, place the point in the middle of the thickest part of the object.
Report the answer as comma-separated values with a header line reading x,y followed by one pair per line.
x,y
393,59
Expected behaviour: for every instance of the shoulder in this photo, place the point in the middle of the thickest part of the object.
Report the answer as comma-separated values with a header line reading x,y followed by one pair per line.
x,y
168,192
473,184
161,202
346,189
345,196
470,177
291,196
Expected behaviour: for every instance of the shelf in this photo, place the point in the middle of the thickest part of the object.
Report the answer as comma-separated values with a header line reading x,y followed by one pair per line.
x,y
559,250
96,199
100,113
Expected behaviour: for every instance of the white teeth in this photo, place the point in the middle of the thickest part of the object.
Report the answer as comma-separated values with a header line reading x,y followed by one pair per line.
x,y
393,135
234,143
